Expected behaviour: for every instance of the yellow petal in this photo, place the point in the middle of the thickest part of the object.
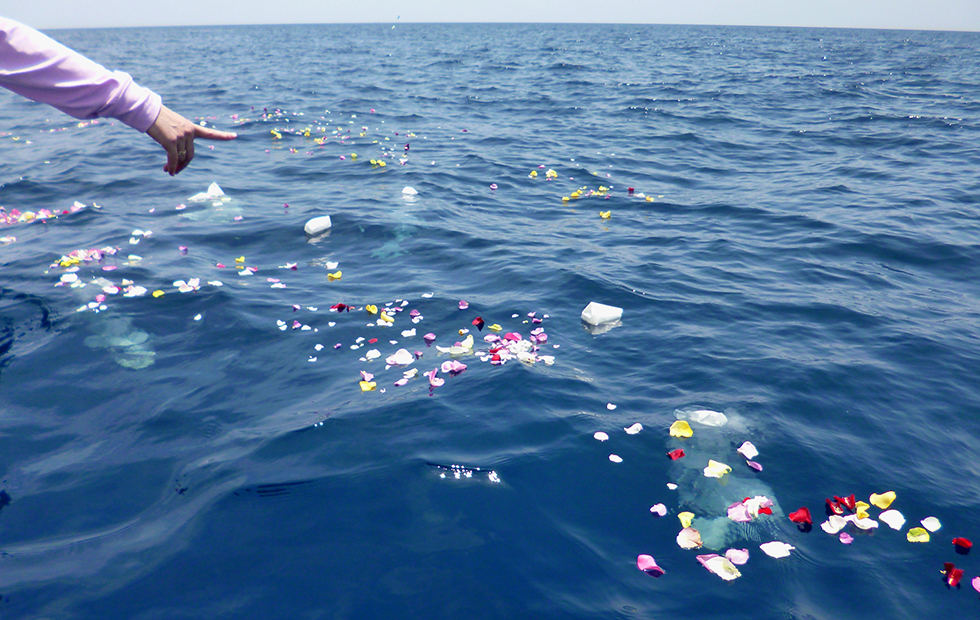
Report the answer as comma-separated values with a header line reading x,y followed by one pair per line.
x,y
334,276
918,535
883,500
861,509
468,342
495,328
384,316
605,214
565,198
649,198
368,386
371,308
240,259
716,469
686,518
158,293
681,428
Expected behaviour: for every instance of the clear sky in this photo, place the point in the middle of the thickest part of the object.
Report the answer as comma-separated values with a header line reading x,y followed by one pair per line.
x,y
900,14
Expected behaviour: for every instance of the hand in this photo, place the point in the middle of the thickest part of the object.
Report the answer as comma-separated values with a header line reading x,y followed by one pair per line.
x,y
176,135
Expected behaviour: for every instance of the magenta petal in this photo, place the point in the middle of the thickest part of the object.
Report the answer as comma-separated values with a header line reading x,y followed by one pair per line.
x,y
648,565
754,465
976,583
846,538
366,376
429,337
401,382
463,305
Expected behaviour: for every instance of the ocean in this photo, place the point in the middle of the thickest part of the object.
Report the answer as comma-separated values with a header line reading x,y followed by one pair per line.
x,y
209,417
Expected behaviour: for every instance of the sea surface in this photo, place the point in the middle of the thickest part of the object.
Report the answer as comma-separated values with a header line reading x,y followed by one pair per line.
x,y
788,219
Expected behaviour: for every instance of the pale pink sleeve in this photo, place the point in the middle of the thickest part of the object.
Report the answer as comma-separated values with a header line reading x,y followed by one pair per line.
x,y
40,68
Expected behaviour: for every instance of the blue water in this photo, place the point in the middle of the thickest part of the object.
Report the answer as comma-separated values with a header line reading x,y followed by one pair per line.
x,y
808,265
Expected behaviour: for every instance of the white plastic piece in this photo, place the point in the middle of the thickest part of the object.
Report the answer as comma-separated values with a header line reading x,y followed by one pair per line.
x,y
317,225
597,314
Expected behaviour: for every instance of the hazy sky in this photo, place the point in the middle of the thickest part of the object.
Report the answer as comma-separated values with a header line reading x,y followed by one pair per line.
x,y
901,14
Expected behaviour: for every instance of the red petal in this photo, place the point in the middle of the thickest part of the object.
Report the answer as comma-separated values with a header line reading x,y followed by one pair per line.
x,y
962,542
765,511
847,501
372,341
953,577
801,516
834,507
478,321
676,454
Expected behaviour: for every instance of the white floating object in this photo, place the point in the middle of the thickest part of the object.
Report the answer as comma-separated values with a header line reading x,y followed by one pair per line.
x,y
893,518
634,429
600,436
317,225
402,357
373,354
708,417
671,486
776,549
748,450
597,314
659,509
213,192
833,524
931,523
610,406
410,191
615,458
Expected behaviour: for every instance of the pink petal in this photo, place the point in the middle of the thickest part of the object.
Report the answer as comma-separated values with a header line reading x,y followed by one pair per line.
x,y
754,465
976,583
463,305
401,382
846,538
737,556
429,337
648,565
366,376
659,509
739,513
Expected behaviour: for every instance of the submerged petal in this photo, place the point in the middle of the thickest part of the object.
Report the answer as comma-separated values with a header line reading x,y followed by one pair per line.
x,y
716,469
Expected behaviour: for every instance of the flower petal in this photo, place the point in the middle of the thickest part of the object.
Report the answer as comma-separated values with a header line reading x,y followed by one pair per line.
x,y
676,454
716,469
893,519
685,518
659,509
748,450
801,516
720,565
689,538
634,429
600,436
931,523
648,565
883,500
833,524
681,428
615,458
917,535
776,549
737,556
962,543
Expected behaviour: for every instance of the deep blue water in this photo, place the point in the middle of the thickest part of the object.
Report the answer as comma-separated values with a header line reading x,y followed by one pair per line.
x,y
809,266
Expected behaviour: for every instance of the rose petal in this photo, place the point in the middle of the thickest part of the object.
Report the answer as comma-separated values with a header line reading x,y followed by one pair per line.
x,y
917,535
754,465
634,429
659,509
893,519
883,500
648,565
600,436
748,450
737,556
368,386
615,458
963,543
681,428
716,469
720,565
689,538
833,524
801,516
463,305
931,523
976,583
676,454
845,538
776,549
686,518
